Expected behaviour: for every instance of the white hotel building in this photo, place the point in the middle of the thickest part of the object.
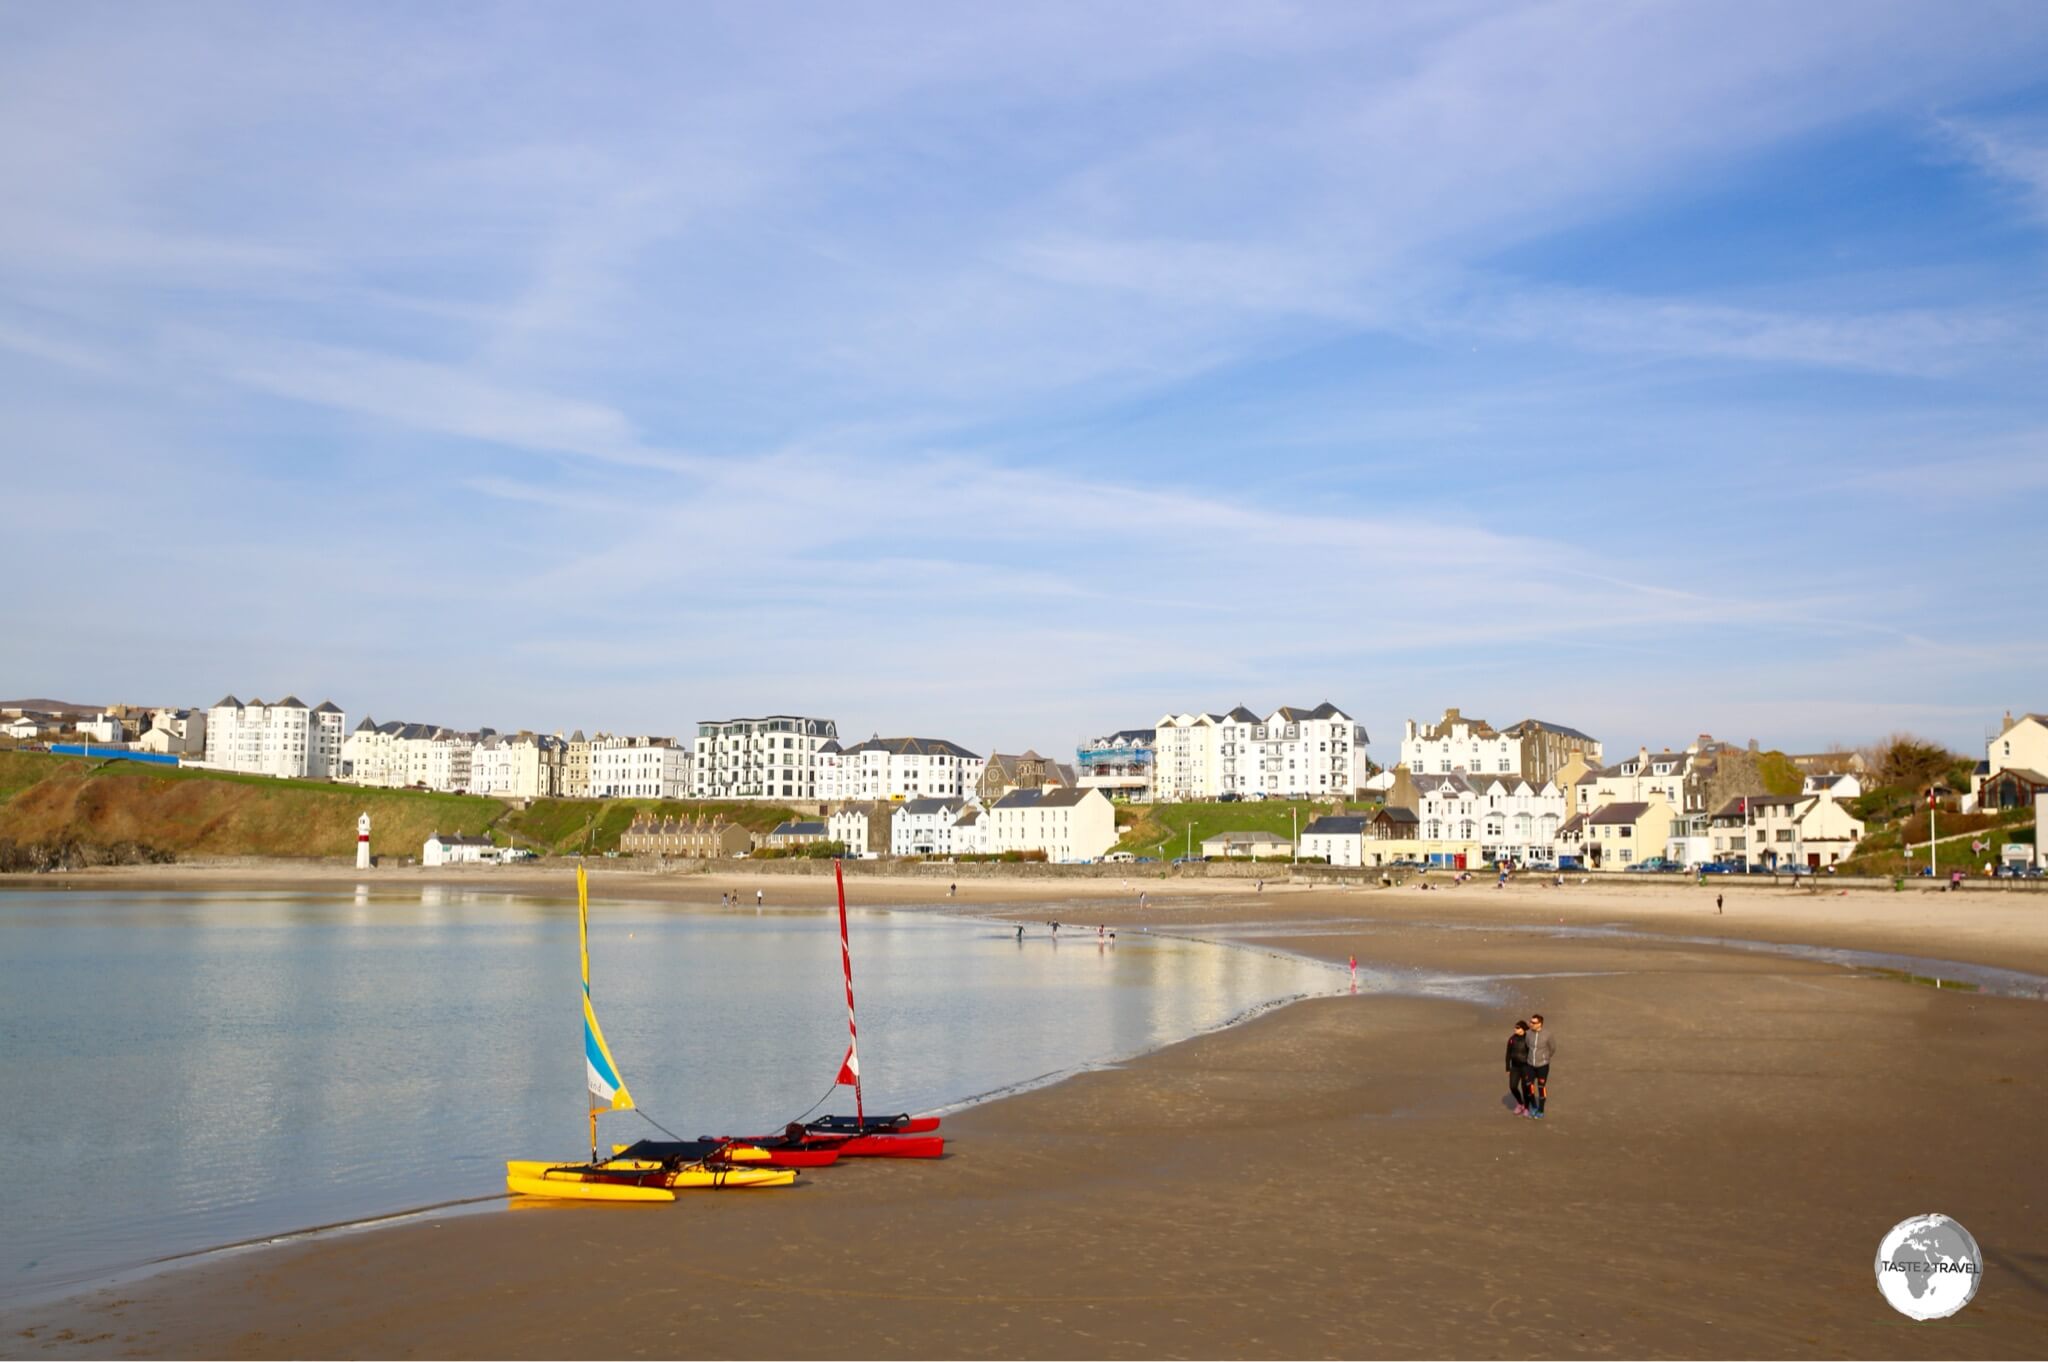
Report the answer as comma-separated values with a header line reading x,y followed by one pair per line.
x,y
282,739
1290,753
898,768
774,757
639,768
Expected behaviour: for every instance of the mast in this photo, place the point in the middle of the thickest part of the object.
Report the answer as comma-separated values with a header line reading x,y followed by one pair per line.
x,y
849,1070
604,1088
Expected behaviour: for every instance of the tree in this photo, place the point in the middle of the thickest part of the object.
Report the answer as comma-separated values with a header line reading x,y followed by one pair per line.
x,y
1910,762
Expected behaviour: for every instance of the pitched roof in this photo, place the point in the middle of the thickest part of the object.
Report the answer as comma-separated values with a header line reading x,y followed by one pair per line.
x,y
1325,710
327,707
460,841
1394,813
1548,727
226,702
1243,716
798,830
904,747
1335,825
926,805
290,702
1627,811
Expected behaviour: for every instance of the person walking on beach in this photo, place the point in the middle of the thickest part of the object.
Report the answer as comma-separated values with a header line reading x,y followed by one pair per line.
x,y
1518,1067
1020,933
1541,1048
759,898
1717,903
1354,974
950,888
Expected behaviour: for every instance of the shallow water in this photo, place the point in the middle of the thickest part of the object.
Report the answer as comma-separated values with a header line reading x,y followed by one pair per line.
x,y
195,1070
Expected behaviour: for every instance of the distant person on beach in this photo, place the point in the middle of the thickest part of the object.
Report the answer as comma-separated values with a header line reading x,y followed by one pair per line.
x,y
1717,903
1541,1048
950,888
1020,933
759,897
1354,974
1518,1067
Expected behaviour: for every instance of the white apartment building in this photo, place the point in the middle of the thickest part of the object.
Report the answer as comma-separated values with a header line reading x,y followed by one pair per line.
x,y
907,768
1532,749
1066,824
924,827
438,759
281,739
1290,753
639,768
829,767
395,755
523,766
774,757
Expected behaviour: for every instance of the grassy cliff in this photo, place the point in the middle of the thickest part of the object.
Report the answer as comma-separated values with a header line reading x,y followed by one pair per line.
x,y
210,813
50,800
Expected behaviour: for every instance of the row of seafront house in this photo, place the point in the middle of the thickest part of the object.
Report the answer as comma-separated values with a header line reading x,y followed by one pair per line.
x,y
1463,792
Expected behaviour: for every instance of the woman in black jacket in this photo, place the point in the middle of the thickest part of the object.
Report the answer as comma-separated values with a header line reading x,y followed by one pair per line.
x,y
1518,1067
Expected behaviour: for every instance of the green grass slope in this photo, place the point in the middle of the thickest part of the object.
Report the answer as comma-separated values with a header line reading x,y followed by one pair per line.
x,y
1162,829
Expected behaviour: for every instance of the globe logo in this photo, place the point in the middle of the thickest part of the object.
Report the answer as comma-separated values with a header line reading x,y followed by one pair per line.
x,y
1928,1267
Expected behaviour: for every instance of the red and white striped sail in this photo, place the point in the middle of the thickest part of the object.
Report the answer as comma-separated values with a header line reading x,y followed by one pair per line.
x,y
849,1068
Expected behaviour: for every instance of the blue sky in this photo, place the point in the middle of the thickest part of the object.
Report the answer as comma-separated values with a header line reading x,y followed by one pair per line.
x,y
1014,376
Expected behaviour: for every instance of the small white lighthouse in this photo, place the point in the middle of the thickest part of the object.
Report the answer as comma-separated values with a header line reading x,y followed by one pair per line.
x,y
363,842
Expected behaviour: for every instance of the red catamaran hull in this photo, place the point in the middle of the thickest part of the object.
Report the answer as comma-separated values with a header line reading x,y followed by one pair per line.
x,y
855,1146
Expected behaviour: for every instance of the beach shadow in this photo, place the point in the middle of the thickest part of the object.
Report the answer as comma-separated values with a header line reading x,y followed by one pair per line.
x,y
2028,1279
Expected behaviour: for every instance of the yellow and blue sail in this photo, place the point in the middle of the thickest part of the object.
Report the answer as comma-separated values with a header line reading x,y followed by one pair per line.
x,y
601,1070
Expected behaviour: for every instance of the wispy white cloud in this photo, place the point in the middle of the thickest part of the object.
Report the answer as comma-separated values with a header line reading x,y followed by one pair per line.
x,y
2016,155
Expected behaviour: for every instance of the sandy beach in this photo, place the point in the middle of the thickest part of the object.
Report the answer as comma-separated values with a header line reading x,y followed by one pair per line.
x,y
1730,1135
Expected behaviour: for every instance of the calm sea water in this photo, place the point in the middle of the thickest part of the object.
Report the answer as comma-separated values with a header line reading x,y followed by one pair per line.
x,y
193,1070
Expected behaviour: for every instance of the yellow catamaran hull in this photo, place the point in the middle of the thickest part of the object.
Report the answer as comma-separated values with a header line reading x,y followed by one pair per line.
x,y
534,1177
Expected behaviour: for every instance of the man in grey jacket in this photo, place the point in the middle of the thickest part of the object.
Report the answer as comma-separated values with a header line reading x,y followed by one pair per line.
x,y
1542,1045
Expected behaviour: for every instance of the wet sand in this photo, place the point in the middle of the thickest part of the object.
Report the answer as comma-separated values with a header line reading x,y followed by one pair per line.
x,y
1730,1135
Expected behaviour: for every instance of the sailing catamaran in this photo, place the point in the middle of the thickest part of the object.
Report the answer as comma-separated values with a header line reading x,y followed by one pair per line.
x,y
639,1172
859,1135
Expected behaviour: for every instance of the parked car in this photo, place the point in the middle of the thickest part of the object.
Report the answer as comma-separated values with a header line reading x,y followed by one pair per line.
x,y
1721,868
2018,870
1188,860
1227,797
